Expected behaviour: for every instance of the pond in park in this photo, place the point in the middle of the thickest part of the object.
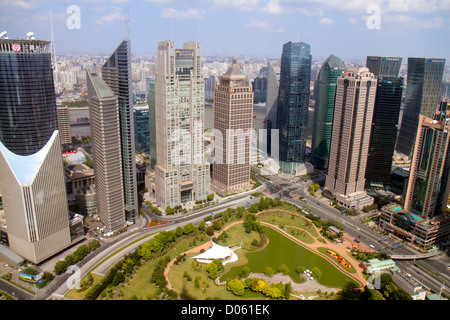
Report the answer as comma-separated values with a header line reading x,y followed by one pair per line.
x,y
281,250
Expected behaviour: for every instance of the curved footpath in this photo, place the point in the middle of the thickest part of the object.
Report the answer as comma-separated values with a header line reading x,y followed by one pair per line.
x,y
307,286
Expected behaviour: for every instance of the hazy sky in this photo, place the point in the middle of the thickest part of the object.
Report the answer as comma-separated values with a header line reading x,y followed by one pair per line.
x,y
348,29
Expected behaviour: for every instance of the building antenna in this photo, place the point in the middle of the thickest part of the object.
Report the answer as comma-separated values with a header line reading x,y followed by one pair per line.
x,y
52,43
171,29
127,23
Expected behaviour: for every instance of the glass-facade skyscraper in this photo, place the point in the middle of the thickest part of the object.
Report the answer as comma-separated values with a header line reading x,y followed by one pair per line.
x,y
116,72
384,129
142,128
293,103
331,69
421,97
384,66
428,180
32,180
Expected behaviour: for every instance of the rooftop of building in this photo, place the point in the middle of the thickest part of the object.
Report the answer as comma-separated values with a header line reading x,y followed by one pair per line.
x,y
24,45
234,72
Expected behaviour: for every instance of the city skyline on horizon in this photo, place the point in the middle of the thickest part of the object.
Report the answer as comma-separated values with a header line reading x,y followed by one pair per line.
x,y
383,28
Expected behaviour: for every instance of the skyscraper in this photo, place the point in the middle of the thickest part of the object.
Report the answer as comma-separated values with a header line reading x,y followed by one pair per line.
x,y
384,66
421,97
105,128
233,116
116,72
152,117
181,173
384,130
426,185
353,112
293,103
63,114
331,70
273,85
142,128
31,168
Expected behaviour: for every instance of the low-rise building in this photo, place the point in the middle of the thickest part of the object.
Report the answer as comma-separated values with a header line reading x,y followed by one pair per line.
x,y
425,232
376,265
408,283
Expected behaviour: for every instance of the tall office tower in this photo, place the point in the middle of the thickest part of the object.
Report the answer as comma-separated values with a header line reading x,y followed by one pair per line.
x,y
352,122
233,116
384,130
384,66
64,124
181,173
151,120
210,85
259,87
293,103
426,186
116,72
421,97
273,85
105,128
331,70
31,168
142,128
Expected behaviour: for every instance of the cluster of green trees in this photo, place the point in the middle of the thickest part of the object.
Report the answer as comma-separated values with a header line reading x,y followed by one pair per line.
x,y
176,209
155,210
273,291
75,103
82,251
214,268
390,291
152,249
313,188
264,203
163,239
250,224
367,255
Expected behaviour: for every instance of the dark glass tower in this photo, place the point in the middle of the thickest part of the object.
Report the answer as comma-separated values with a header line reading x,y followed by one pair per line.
x,y
384,66
142,128
422,97
324,109
384,129
293,103
27,112
116,72
152,124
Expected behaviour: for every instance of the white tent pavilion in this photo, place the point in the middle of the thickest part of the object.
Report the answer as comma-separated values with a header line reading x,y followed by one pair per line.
x,y
224,254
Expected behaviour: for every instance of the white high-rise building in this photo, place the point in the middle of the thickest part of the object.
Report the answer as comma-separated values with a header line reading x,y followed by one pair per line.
x,y
181,173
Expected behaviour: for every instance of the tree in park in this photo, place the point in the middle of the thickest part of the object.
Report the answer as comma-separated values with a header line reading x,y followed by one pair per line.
x,y
316,273
212,270
236,286
283,269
